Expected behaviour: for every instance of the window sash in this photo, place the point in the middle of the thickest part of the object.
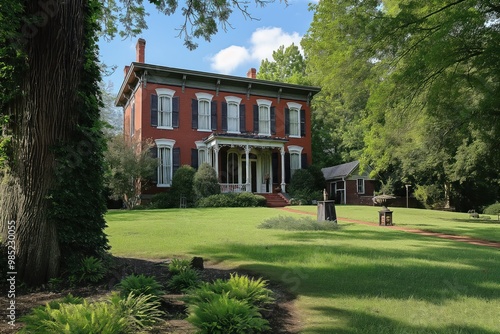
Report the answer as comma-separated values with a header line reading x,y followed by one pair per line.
x,y
233,117
264,120
203,115
294,163
294,122
232,168
202,156
164,111
164,165
361,186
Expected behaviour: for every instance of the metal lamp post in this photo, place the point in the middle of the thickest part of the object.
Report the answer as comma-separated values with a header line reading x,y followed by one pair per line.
x,y
407,186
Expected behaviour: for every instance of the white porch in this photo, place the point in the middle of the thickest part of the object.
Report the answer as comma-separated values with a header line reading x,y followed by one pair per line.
x,y
246,164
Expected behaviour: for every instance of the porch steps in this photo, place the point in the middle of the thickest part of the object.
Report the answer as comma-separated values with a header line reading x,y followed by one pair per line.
x,y
275,200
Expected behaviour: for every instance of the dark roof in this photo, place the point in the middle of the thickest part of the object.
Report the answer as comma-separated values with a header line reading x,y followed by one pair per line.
x,y
339,171
204,80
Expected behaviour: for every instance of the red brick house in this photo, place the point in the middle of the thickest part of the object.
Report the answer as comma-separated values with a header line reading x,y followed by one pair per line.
x,y
348,184
254,133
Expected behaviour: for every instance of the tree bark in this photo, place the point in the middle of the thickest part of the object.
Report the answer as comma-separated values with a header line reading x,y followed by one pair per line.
x,y
42,118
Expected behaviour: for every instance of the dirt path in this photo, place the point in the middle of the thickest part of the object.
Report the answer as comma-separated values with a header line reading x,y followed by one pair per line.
x,y
459,238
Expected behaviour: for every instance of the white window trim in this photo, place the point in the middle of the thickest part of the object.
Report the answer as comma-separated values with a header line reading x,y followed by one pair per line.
x,y
357,186
237,101
202,149
205,97
294,149
132,118
168,93
266,103
297,107
162,143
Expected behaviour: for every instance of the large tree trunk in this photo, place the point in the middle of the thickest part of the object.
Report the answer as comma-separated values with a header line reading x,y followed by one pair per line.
x,y
42,118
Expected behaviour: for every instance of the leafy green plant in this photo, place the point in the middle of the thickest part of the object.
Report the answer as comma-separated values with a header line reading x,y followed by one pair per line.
x,y
223,314
90,269
232,200
184,280
253,291
205,181
141,311
139,284
178,265
297,224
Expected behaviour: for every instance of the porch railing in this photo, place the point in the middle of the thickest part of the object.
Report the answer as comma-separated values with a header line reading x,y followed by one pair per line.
x,y
232,187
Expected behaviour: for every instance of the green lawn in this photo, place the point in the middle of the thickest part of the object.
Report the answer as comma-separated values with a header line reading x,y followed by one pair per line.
x,y
358,279
437,221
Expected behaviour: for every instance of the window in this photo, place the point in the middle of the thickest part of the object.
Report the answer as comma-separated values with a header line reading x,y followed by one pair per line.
x,y
202,152
264,117
165,107
165,165
204,111
295,158
294,119
233,114
361,186
132,119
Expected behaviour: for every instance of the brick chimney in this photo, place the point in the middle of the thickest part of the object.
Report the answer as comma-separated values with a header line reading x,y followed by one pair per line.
x,y
252,73
125,70
140,50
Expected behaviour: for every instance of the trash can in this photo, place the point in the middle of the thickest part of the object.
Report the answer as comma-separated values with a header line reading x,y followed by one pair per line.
x,y
326,211
385,217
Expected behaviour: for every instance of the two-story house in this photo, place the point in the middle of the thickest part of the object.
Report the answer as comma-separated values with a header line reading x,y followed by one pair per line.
x,y
254,133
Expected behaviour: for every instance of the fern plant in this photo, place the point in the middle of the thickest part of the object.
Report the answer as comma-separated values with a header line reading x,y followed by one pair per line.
x,y
90,269
178,265
141,311
185,280
223,314
139,285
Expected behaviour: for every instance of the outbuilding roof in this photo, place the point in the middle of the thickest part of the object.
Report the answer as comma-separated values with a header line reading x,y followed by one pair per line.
x,y
339,171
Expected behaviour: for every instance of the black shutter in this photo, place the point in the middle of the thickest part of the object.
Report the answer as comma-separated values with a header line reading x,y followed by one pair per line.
x,y
175,112
287,167
302,122
154,154
273,120
304,160
242,119
275,163
194,113
176,159
154,110
194,158
213,114
256,118
224,116
287,121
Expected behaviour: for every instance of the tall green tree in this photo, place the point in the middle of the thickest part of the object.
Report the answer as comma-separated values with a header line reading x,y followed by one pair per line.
x,y
51,135
288,65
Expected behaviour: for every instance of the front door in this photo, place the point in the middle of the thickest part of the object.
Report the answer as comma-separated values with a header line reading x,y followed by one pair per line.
x,y
253,175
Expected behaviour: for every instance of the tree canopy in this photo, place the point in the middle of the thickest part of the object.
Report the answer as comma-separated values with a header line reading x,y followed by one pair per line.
x,y
413,89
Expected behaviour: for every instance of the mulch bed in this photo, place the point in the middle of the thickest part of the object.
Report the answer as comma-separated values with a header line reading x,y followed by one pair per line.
x,y
281,315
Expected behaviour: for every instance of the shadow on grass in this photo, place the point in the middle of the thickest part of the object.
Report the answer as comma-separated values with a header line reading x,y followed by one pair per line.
x,y
350,271
361,322
473,220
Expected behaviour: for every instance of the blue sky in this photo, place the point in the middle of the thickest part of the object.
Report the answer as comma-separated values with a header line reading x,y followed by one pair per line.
x,y
232,52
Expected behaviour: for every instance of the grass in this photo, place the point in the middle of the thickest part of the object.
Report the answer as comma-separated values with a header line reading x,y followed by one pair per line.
x,y
436,221
357,279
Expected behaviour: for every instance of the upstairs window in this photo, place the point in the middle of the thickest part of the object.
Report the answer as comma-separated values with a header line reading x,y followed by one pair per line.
x,y
164,109
232,114
292,118
264,118
132,119
204,111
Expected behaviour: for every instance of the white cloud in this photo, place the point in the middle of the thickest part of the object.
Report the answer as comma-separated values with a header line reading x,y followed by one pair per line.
x,y
228,59
262,44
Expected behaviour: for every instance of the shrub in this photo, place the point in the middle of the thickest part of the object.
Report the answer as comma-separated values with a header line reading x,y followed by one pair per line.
x,y
164,200
178,265
319,178
139,285
492,209
128,315
205,181
184,280
298,224
301,181
250,290
183,184
305,197
223,314
90,269
232,200
431,196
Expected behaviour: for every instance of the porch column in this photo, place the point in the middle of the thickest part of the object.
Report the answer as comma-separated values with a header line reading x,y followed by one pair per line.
x,y
283,184
247,155
216,151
